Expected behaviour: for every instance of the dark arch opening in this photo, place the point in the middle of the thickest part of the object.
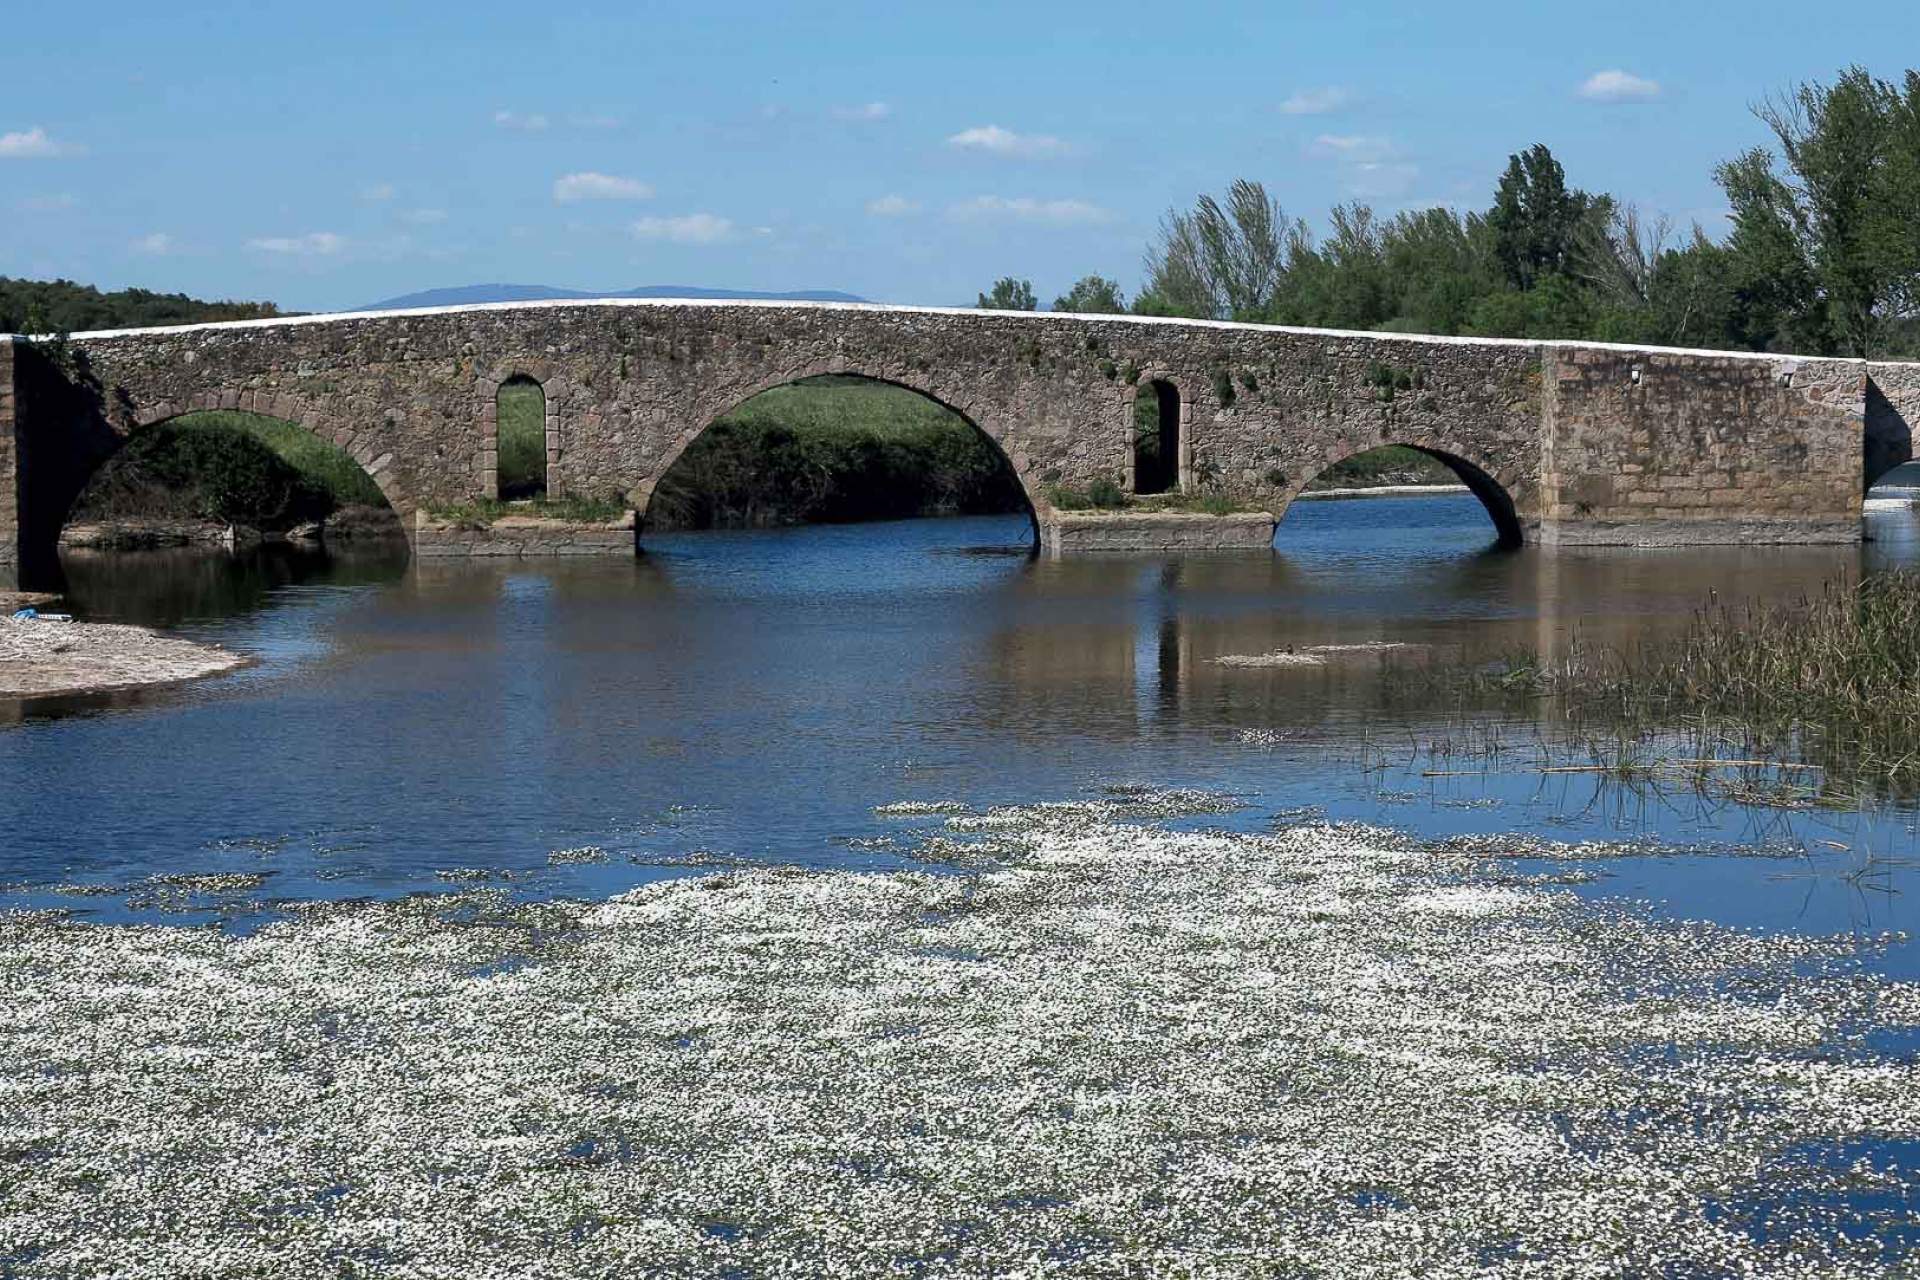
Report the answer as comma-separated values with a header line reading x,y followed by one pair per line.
x,y
520,438
1395,465
1156,437
215,475
836,448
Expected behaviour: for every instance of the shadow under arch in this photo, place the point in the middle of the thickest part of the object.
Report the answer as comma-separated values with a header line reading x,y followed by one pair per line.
x,y
646,516
1509,530
66,484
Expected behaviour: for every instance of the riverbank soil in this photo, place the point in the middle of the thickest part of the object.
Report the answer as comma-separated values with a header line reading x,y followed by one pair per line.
x,y
40,658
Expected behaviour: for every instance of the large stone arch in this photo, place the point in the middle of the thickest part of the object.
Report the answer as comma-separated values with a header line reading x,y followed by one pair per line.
x,y
708,409
66,462
1495,492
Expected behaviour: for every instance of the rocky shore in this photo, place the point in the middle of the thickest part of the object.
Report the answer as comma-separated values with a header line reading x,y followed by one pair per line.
x,y
39,658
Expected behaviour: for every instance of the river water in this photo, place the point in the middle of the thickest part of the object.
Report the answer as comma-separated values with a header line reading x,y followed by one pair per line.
x,y
576,728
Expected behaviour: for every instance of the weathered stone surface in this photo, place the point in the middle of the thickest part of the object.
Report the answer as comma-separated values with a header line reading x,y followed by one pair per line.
x,y
1566,441
519,536
1081,532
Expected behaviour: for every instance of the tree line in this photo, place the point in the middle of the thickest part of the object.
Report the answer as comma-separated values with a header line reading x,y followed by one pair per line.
x,y
1823,256
62,306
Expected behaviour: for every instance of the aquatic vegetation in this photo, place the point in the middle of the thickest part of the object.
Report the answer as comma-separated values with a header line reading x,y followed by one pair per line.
x,y
1123,1050
1829,681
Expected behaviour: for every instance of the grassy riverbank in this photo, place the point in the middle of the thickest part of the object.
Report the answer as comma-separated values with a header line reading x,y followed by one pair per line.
x,y
228,468
833,449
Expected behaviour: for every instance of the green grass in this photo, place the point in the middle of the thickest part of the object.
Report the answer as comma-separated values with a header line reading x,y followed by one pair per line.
x,y
834,448
1389,464
522,409
321,461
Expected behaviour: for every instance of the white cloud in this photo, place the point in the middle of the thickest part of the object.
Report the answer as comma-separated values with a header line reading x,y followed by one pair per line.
x,y
865,111
689,228
994,140
1619,86
28,144
315,244
891,206
595,122
52,203
531,123
599,186
1354,146
1316,102
1027,209
159,244
376,192
424,217
1370,166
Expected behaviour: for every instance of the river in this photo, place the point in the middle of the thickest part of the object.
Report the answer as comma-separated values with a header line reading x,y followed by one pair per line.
x,y
755,695
827,698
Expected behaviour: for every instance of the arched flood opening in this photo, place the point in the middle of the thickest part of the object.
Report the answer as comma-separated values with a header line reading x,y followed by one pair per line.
x,y
520,419
834,449
1156,437
1397,471
227,477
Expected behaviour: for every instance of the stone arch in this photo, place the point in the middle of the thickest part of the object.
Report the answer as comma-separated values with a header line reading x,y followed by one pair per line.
x,y
60,481
1494,490
1175,403
486,385
711,409
1888,437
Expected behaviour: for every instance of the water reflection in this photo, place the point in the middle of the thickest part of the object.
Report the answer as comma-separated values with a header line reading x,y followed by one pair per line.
x,y
756,694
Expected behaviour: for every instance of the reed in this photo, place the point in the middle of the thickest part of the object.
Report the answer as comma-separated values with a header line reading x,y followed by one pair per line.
x,y
1829,680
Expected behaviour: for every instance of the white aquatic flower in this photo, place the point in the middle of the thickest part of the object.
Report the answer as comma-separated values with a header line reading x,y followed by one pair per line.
x,y
1126,1051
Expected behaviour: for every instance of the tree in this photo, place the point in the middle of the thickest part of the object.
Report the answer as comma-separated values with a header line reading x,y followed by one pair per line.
x,y
1009,294
1536,220
1830,252
1223,262
1094,295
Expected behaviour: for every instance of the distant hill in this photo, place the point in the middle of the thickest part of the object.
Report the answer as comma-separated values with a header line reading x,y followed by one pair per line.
x,y
474,294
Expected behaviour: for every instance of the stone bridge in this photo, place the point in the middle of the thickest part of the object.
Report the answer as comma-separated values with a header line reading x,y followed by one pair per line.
x,y
1564,442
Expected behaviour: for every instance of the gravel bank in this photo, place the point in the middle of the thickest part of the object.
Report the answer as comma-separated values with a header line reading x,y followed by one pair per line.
x,y
38,658
1116,1049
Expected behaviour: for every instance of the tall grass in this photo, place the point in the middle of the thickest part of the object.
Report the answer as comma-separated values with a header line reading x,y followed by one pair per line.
x,y
237,468
322,462
834,448
1831,680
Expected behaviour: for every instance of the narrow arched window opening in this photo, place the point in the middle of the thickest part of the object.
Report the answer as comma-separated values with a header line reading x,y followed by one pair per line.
x,y
1156,438
520,413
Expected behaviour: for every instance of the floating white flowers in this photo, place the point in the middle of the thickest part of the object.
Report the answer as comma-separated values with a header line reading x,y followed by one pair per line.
x,y
1127,1050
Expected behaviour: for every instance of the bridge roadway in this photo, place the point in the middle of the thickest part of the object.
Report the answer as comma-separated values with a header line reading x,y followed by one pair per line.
x,y
1564,442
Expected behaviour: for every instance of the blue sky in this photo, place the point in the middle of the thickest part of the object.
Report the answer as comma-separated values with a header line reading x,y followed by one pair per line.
x,y
328,155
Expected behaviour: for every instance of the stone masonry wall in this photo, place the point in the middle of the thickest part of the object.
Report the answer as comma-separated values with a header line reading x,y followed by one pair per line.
x,y
1557,432
1687,448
